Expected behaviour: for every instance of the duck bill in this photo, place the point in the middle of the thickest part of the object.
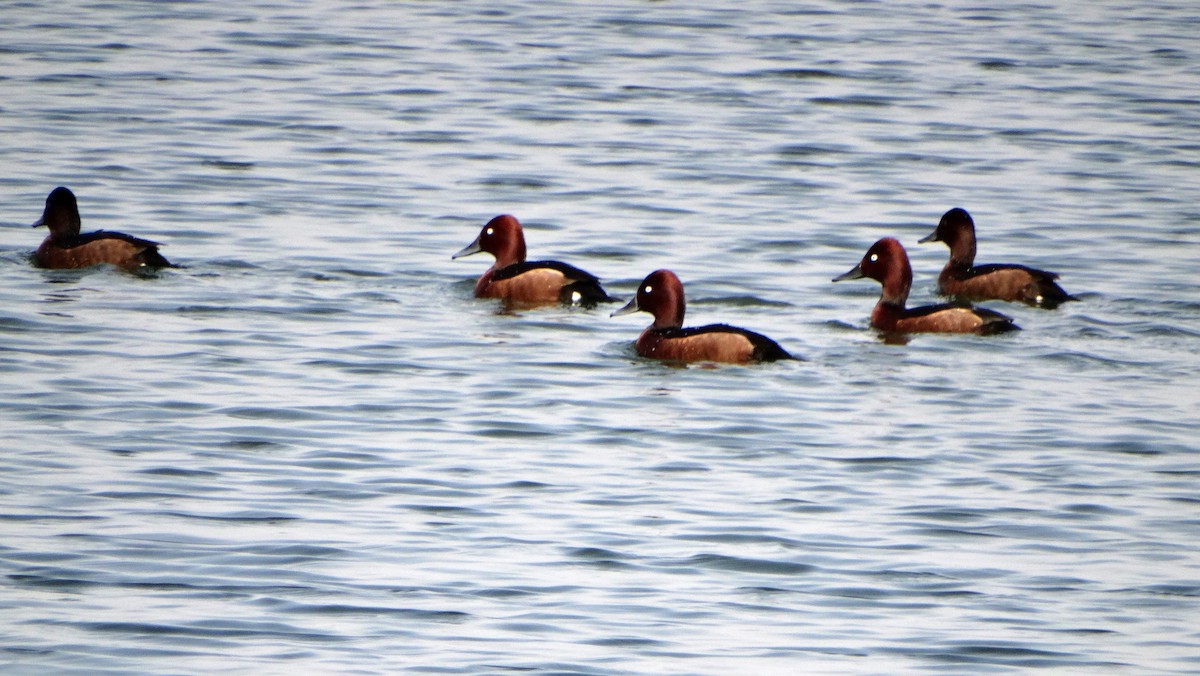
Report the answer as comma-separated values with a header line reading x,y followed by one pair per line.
x,y
855,273
931,237
39,222
629,308
472,248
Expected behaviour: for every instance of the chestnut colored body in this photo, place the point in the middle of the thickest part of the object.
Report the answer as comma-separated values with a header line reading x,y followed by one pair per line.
x,y
964,280
64,247
715,342
887,262
513,279
945,318
661,294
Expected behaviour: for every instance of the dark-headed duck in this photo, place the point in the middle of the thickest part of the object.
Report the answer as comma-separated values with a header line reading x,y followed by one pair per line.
x,y
887,263
514,279
64,247
661,294
962,279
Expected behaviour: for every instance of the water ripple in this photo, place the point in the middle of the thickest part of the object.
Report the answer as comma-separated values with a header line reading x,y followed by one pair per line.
x,y
310,448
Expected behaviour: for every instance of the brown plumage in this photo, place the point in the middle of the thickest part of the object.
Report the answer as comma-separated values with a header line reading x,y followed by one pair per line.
x,y
661,294
964,280
513,279
64,247
887,262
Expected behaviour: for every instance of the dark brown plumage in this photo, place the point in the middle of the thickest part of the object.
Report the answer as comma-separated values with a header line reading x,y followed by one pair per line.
x,y
964,280
64,247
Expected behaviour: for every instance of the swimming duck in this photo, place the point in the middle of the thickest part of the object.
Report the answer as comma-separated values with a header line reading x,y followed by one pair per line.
x,y
64,247
661,294
514,279
887,262
964,280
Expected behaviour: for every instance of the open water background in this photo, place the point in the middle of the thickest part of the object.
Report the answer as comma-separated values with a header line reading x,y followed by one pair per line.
x,y
311,450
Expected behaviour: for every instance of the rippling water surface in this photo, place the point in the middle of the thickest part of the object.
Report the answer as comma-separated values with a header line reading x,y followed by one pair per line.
x,y
310,449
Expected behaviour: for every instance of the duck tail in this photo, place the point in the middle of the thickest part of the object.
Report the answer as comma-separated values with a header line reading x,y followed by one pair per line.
x,y
585,293
151,258
1051,295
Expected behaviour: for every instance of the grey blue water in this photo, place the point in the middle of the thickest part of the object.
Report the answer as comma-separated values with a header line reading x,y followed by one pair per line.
x,y
310,449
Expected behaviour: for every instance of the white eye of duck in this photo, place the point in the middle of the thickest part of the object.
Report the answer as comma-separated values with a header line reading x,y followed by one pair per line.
x,y
648,289
489,231
874,257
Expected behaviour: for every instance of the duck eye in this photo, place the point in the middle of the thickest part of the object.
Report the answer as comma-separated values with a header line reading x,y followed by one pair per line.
x,y
647,289
489,231
874,257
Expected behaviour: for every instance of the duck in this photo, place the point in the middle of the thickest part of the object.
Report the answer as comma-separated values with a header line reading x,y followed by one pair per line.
x,y
65,248
964,280
661,295
887,262
516,280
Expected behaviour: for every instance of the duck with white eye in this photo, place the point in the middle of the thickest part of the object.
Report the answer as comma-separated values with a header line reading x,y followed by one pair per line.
x,y
887,262
517,281
661,295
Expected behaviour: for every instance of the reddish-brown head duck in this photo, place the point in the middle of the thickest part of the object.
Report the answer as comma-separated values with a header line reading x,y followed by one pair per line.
x,y
516,280
887,262
964,280
64,247
661,294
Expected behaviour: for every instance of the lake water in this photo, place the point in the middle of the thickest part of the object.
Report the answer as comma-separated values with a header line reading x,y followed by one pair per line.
x,y
310,449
